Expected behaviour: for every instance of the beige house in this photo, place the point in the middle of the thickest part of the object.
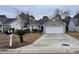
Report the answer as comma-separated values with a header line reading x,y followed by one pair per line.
x,y
54,26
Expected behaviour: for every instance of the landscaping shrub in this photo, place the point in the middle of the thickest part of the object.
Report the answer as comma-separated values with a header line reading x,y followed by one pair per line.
x,y
35,30
13,29
0,31
27,30
8,32
22,32
5,31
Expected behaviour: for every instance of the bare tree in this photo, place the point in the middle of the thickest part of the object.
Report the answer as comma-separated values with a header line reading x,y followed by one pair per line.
x,y
23,19
57,14
45,18
57,11
66,19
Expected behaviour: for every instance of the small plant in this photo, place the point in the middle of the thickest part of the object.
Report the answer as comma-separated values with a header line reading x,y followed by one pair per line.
x,y
27,30
6,29
21,33
35,30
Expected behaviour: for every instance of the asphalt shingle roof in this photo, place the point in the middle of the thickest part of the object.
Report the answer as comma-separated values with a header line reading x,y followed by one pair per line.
x,y
6,20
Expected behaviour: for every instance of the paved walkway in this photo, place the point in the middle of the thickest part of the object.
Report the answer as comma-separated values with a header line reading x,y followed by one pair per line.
x,y
49,43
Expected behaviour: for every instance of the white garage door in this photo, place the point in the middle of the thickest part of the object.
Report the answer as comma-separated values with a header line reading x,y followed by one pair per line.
x,y
54,29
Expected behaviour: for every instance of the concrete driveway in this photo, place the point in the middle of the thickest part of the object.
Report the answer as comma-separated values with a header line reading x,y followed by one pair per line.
x,y
50,43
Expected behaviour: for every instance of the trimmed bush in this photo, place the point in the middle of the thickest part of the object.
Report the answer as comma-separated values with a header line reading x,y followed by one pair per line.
x,y
8,32
35,30
27,30
22,32
5,31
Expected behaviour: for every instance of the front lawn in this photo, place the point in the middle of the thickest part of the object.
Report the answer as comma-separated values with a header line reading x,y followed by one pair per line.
x,y
74,34
28,39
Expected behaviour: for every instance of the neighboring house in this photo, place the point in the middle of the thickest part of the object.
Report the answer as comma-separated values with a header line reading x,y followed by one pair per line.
x,y
36,24
73,25
13,22
33,25
77,29
54,26
3,20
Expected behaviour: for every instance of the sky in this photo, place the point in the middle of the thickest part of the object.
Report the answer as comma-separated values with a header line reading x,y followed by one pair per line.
x,y
37,10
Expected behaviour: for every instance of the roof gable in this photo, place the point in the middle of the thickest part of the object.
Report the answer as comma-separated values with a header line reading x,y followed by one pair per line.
x,y
10,20
54,22
36,22
6,20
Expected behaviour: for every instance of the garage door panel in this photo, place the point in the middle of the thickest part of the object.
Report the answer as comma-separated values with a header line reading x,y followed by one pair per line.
x,y
54,30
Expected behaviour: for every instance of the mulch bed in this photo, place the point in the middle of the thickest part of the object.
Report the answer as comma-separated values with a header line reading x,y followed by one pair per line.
x,y
28,39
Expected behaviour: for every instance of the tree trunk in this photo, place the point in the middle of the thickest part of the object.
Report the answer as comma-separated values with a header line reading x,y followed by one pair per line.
x,y
21,38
